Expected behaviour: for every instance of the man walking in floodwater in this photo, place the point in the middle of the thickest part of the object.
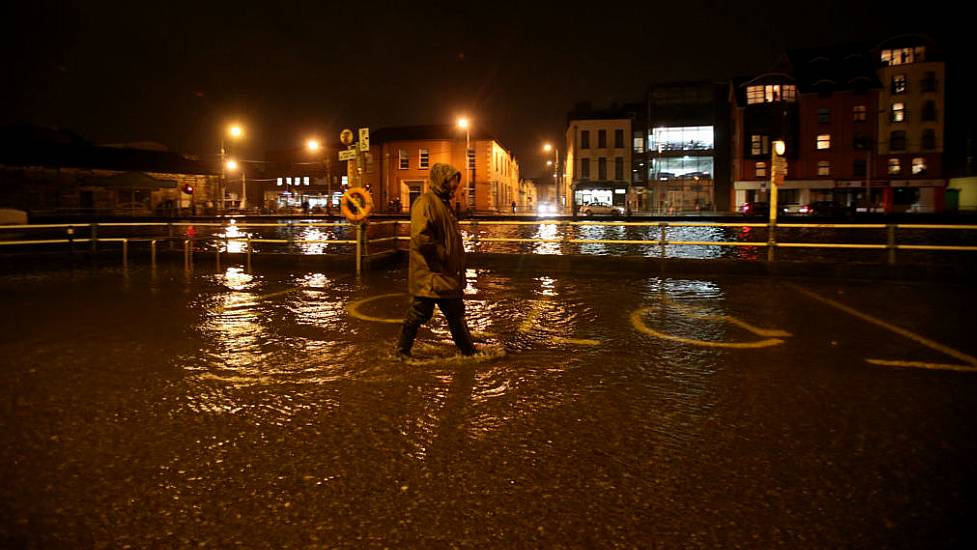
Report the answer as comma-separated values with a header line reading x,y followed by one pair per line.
x,y
437,263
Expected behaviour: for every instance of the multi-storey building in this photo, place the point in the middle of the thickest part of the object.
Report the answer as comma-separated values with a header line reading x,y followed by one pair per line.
x,y
687,148
863,127
398,165
599,157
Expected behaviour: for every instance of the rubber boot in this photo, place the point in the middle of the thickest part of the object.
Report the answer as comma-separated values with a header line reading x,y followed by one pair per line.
x,y
406,340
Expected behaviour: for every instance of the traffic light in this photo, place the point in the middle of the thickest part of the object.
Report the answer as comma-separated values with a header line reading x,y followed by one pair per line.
x,y
187,188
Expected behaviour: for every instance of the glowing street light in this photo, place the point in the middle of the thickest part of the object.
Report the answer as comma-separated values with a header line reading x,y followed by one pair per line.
x,y
555,163
312,144
235,132
465,125
231,165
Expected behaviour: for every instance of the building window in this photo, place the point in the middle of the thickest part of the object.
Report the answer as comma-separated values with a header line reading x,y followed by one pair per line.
x,y
824,141
894,166
919,166
770,93
585,139
404,162
585,169
899,84
761,169
471,160
759,145
897,140
824,115
602,169
638,143
602,139
902,56
929,139
422,159
619,139
619,168
929,111
858,168
824,167
929,82
898,112
858,113
860,142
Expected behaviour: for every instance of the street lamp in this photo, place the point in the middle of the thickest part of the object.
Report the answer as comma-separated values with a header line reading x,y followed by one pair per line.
x,y
236,132
313,145
465,124
556,172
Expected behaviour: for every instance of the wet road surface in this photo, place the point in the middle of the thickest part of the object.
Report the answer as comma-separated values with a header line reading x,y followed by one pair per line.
x,y
259,410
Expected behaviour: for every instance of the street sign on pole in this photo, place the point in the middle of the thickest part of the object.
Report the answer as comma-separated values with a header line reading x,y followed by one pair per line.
x,y
364,139
346,136
349,154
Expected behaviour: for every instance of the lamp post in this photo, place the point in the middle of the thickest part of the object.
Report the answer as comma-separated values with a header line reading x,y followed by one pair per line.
x,y
557,180
313,145
465,124
778,168
235,131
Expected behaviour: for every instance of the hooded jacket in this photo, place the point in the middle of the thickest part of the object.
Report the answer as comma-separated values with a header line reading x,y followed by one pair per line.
x,y
437,254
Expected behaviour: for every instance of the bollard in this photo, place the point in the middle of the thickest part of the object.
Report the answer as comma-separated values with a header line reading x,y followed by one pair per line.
x,y
891,243
152,253
125,252
771,242
186,253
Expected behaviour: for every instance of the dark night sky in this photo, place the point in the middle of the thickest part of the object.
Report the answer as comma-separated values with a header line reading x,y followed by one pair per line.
x,y
171,71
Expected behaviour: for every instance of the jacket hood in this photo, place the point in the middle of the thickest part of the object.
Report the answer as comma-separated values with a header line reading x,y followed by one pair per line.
x,y
441,173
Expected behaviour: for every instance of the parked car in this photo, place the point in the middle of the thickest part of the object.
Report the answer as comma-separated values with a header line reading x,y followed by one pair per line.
x,y
755,209
825,209
600,208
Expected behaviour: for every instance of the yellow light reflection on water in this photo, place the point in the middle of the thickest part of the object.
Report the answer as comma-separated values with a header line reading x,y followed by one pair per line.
x,y
232,239
546,231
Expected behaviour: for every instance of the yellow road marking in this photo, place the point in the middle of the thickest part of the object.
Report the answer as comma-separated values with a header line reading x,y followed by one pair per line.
x,y
575,341
921,365
640,325
354,308
530,320
972,362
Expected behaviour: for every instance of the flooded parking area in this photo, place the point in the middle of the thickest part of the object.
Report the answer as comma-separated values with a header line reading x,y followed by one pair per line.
x,y
172,407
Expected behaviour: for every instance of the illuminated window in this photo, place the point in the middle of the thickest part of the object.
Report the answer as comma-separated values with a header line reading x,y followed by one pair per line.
x,y
790,93
824,115
858,113
759,145
902,56
824,141
754,94
898,112
638,143
771,93
404,160
471,160
899,84
422,159
894,166
824,167
761,169
919,165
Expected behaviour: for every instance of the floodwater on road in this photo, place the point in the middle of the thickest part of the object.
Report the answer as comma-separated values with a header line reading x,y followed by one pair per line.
x,y
173,408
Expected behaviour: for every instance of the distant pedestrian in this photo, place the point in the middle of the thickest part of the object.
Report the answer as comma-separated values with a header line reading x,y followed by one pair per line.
x,y
513,207
436,275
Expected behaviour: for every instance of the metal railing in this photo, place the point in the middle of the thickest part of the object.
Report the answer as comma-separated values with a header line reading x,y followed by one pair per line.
x,y
179,232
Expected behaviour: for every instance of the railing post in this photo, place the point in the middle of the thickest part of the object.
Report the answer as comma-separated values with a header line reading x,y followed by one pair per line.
x,y
169,235
125,252
94,234
359,249
71,240
771,242
474,234
663,228
248,253
186,253
891,243
152,253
